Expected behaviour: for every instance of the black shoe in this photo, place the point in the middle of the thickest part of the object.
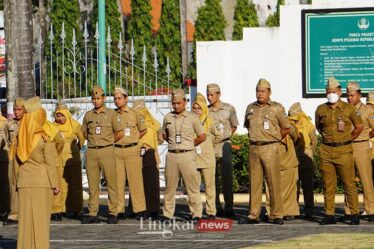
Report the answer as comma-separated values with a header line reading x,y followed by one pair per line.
x,y
10,222
344,218
308,217
220,213
211,217
121,216
278,221
355,220
370,217
141,215
230,214
328,220
195,220
56,217
288,217
247,220
112,219
153,215
90,220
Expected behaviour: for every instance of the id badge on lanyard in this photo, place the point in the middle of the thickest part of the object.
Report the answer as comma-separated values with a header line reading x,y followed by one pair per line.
x,y
178,138
98,130
127,132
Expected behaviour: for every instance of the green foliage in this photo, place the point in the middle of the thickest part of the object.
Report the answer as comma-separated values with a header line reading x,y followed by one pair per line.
x,y
168,40
140,30
245,15
240,162
1,4
273,20
209,26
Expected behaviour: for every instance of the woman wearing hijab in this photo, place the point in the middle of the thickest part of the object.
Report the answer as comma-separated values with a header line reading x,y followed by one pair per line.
x,y
35,176
206,155
151,160
71,180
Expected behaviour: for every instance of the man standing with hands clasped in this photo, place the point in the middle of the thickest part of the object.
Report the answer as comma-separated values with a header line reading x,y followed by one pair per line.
x,y
339,124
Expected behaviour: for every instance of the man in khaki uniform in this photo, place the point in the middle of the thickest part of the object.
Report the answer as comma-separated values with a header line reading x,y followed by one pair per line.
x,y
128,154
226,122
11,130
361,148
179,129
267,125
305,145
339,124
101,127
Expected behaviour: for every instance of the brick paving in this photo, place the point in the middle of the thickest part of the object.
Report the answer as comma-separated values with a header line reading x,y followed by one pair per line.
x,y
128,233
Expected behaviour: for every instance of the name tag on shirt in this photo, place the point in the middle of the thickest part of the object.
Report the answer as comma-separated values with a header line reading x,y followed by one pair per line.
x,y
98,130
127,132
178,138
198,149
266,125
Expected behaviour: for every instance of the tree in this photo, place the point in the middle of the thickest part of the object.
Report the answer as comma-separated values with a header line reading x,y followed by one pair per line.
x,y
245,15
19,45
273,20
140,30
63,12
169,39
209,26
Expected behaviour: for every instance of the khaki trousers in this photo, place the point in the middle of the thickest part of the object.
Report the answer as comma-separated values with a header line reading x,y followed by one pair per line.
x,y
338,160
34,218
289,179
306,176
13,215
362,160
182,164
264,160
101,160
129,165
210,188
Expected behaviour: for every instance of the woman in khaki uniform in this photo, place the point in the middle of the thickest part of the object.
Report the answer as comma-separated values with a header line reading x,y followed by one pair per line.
x,y
71,184
206,154
151,160
36,178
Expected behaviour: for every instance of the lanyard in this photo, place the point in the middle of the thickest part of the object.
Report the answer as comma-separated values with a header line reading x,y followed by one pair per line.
x,y
175,125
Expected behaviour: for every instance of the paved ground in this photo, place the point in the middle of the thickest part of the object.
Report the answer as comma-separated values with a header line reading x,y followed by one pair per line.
x,y
130,233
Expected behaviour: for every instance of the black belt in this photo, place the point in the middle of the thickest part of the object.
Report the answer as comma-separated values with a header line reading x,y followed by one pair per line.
x,y
125,145
361,141
100,147
333,144
260,143
179,151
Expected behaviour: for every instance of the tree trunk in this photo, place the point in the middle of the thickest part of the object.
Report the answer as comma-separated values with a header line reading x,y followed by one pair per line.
x,y
19,39
43,34
184,48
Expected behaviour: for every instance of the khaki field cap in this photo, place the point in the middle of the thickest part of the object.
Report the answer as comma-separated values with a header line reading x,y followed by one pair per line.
x,y
33,104
61,106
97,91
332,83
178,94
213,88
262,83
353,86
120,90
19,102
138,103
370,98
295,108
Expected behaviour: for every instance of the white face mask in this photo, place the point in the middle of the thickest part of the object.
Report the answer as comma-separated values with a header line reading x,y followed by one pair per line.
x,y
333,98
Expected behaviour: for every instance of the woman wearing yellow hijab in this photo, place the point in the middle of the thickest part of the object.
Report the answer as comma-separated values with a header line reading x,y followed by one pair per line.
x,y
149,143
206,162
36,178
71,177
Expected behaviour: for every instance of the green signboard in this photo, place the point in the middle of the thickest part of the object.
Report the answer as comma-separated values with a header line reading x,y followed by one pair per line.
x,y
339,43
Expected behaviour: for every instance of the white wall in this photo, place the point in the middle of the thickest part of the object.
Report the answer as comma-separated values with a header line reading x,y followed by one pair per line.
x,y
271,53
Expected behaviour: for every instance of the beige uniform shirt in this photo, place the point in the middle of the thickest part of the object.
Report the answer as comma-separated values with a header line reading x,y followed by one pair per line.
x,y
327,121
131,122
186,125
264,123
205,151
11,131
99,127
224,118
367,116
39,170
